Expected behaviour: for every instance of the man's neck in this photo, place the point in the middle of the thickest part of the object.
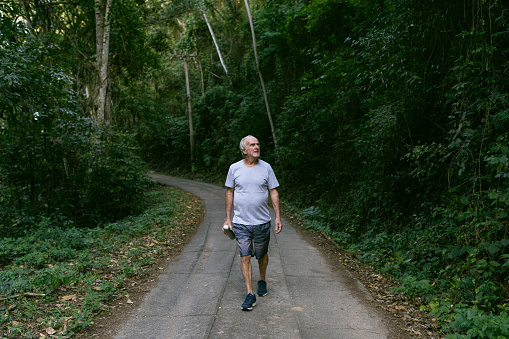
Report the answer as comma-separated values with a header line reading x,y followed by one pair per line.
x,y
250,162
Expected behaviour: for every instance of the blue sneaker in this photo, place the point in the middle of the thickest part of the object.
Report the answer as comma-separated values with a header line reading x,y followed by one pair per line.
x,y
262,288
249,303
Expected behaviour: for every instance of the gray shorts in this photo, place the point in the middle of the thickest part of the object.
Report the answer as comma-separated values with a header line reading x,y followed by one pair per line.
x,y
253,240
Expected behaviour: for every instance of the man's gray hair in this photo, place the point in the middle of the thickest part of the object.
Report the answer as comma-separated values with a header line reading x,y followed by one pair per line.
x,y
243,145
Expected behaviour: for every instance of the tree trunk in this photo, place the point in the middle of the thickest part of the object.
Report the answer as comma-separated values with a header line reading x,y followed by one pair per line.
x,y
260,74
198,64
217,47
191,130
102,10
107,106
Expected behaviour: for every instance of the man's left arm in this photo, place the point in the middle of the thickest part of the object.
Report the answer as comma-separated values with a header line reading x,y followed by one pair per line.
x,y
274,197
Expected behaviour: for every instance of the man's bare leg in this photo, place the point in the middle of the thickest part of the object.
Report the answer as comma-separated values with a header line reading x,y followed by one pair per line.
x,y
262,265
247,272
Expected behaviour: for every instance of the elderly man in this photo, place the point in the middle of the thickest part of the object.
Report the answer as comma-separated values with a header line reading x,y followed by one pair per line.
x,y
249,183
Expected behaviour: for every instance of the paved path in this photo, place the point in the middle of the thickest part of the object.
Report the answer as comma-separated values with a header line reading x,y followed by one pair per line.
x,y
200,293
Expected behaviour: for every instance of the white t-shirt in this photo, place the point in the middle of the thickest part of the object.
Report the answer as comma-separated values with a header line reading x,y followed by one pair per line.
x,y
251,191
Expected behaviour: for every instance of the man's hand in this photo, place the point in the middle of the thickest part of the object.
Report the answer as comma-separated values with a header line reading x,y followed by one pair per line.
x,y
227,222
278,225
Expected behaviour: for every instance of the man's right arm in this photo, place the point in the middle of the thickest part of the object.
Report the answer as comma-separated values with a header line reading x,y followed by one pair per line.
x,y
228,206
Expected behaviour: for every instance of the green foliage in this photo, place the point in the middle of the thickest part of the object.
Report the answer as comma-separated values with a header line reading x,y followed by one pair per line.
x,y
474,323
416,288
111,178
54,162
213,136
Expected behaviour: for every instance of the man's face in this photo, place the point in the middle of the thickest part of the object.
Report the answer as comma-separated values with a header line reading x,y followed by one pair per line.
x,y
252,148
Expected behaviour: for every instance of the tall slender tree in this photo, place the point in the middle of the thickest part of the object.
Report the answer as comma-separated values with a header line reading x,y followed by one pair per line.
x,y
260,74
102,18
217,46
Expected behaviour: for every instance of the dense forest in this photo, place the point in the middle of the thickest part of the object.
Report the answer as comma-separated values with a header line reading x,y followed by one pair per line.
x,y
386,122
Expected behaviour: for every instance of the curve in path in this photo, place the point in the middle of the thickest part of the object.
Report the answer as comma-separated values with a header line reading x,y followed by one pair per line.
x,y
199,294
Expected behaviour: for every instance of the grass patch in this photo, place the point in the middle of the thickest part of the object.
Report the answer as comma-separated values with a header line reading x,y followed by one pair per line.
x,y
54,281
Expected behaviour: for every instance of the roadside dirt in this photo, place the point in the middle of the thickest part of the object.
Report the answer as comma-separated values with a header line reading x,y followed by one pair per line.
x,y
400,313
